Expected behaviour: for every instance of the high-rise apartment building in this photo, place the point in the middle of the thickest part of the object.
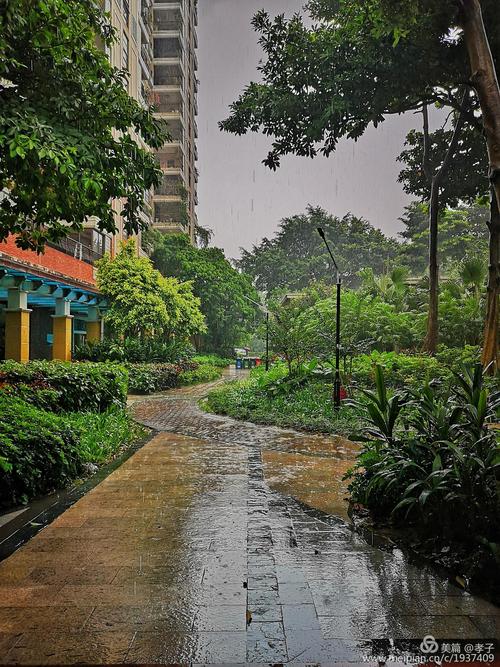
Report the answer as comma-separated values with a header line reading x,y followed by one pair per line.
x,y
50,302
175,89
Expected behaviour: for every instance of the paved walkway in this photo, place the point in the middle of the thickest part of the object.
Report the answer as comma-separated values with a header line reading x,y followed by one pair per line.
x,y
185,554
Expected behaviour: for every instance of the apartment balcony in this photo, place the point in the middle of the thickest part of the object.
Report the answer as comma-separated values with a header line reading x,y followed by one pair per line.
x,y
88,246
168,48
175,129
166,19
172,186
169,213
170,227
168,103
168,76
170,161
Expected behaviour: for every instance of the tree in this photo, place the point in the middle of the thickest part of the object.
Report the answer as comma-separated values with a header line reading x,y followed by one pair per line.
x,y
444,167
221,289
143,303
287,337
363,61
66,124
296,256
462,231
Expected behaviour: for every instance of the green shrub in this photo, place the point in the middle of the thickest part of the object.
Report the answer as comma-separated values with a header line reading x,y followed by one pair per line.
x,y
456,358
433,460
79,386
204,373
400,369
213,360
309,407
150,378
133,350
104,434
39,451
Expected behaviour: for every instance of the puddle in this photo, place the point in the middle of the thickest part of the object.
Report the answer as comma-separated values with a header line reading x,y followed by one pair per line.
x,y
313,480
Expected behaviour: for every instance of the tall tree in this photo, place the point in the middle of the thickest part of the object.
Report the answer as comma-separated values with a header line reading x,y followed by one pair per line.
x,y
462,232
66,124
465,181
222,290
362,61
296,256
435,179
143,303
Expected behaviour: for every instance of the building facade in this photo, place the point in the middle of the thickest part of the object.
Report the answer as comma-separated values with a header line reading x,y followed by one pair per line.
x,y
175,89
49,303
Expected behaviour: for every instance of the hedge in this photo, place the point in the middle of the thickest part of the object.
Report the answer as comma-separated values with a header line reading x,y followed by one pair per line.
x,y
39,451
204,373
149,378
413,370
67,387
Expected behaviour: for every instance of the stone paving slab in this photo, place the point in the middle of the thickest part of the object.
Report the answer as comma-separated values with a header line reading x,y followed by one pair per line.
x,y
185,554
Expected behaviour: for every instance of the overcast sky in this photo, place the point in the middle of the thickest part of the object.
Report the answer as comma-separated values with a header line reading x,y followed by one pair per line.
x,y
239,198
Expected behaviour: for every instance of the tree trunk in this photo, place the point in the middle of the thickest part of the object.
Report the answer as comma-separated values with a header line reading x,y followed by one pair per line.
x,y
435,180
490,357
431,338
485,81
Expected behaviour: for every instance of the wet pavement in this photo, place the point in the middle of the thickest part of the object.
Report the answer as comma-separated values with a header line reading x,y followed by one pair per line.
x,y
196,551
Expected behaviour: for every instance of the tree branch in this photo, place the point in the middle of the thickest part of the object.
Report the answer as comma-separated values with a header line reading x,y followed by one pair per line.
x,y
456,136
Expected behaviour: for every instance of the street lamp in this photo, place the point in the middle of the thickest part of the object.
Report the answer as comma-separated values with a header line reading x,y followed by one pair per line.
x,y
261,306
337,384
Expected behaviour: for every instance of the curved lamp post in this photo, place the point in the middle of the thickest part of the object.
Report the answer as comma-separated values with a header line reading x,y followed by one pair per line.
x,y
337,384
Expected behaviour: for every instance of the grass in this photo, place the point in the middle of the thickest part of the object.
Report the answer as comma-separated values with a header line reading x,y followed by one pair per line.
x,y
308,408
104,435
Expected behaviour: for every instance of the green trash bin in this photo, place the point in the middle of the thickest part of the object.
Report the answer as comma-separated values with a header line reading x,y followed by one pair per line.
x,y
246,363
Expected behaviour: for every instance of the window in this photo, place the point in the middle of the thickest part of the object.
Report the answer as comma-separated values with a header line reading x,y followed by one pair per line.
x,y
125,49
126,10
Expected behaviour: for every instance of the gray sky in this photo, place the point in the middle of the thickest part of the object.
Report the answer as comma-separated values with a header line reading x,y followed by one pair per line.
x,y
239,198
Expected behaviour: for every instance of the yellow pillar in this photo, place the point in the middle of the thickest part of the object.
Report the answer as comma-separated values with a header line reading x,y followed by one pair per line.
x,y
62,331
93,331
17,335
17,326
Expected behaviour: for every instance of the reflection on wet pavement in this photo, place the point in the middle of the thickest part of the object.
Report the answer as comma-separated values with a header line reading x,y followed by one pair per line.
x,y
314,480
189,553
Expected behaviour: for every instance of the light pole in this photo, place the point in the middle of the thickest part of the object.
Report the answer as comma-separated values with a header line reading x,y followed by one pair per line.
x,y
261,306
336,384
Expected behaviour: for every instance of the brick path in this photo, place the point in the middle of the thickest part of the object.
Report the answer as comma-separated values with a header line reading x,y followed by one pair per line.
x,y
169,557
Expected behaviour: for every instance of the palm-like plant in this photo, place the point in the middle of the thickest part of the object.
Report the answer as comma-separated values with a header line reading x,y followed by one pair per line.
x,y
442,469
472,272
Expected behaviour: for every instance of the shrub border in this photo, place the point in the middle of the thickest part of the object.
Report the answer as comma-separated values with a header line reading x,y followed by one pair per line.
x,y
43,511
